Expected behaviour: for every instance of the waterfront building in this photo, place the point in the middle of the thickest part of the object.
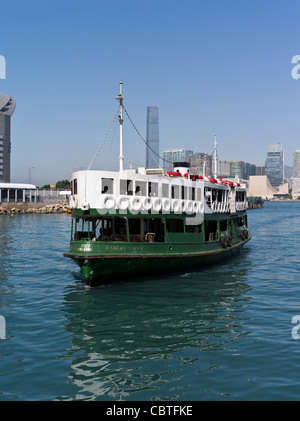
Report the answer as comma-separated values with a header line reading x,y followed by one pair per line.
x,y
296,164
175,155
259,186
7,107
152,137
295,188
274,166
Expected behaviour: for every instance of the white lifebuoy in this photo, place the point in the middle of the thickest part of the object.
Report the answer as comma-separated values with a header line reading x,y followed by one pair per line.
x,y
166,206
135,204
195,207
188,207
200,207
109,202
176,206
147,203
123,203
156,204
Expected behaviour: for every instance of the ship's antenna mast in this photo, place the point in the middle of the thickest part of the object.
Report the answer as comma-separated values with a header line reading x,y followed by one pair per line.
x,y
216,159
121,157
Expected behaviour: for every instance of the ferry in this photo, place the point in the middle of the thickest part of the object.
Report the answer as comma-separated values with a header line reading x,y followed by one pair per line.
x,y
136,222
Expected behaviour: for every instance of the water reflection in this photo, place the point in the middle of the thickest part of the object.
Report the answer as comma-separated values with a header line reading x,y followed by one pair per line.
x,y
133,340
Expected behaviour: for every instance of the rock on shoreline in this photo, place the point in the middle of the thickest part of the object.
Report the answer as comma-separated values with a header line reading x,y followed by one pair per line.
x,y
57,208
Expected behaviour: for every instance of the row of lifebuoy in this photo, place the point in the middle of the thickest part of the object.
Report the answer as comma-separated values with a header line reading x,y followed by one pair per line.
x,y
137,204
220,207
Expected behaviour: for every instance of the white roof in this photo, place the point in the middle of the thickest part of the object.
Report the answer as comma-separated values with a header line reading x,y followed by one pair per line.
x,y
17,186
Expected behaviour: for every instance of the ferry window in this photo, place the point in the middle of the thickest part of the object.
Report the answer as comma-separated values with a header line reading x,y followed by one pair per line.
x,y
152,189
192,193
193,228
140,188
107,185
165,190
223,225
219,195
120,226
198,194
75,186
175,192
183,192
174,225
211,230
126,187
134,226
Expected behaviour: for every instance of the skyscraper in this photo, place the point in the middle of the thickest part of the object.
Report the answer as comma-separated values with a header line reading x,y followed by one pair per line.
x,y
7,107
152,138
274,166
296,164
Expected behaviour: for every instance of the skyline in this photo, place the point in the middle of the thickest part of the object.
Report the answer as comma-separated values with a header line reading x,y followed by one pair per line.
x,y
211,68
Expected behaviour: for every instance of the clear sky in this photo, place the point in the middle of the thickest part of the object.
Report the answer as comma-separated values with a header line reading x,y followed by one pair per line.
x,y
211,66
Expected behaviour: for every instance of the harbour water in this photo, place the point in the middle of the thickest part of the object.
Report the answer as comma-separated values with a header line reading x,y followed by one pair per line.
x,y
222,333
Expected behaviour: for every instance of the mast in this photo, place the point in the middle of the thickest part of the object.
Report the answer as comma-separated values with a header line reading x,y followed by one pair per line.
x,y
215,159
121,156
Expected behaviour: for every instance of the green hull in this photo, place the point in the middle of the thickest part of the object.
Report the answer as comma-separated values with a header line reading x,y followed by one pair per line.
x,y
119,261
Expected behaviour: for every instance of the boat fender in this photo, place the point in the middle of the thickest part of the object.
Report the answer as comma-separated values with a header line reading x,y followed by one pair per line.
x,y
246,232
223,241
109,202
123,203
228,240
135,204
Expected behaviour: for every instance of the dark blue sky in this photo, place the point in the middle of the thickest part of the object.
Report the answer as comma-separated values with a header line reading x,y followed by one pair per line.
x,y
211,66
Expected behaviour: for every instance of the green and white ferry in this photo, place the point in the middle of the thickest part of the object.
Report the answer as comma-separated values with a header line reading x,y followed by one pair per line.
x,y
137,222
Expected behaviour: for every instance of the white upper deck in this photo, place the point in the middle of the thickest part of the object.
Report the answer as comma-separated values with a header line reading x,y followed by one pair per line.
x,y
144,190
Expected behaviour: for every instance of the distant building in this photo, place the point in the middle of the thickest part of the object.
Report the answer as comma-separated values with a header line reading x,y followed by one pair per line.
x,y
152,137
295,188
296,164
237,169
175,155
259,170
7,107
274,166
201,163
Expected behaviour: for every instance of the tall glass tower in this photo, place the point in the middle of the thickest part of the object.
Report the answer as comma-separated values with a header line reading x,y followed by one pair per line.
x,y
7,107
296,164
152,137
274,166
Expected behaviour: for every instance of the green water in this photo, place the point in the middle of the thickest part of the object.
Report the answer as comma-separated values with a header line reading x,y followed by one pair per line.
x,y
221,333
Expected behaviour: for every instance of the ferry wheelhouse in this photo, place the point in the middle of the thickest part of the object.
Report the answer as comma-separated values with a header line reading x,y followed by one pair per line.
x,y
141,221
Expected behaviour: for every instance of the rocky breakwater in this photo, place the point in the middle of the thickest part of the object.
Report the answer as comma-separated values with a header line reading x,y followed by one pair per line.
x,y
56,208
